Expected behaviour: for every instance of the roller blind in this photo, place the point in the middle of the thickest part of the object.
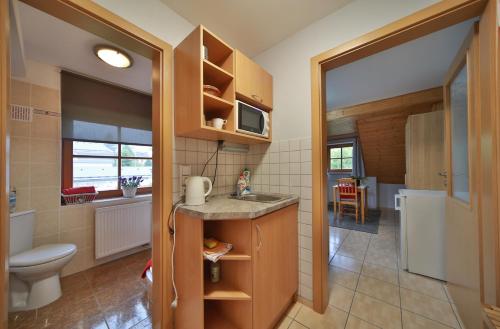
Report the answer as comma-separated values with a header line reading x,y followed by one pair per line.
x,y
96,111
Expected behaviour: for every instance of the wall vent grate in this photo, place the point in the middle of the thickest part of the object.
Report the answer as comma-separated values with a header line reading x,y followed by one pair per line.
x,y
21,113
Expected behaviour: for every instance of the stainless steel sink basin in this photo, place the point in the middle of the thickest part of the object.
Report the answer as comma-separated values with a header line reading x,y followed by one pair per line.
x,y
258,197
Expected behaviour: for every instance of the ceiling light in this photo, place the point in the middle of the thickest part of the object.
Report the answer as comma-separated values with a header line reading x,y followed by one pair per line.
x,y
113,56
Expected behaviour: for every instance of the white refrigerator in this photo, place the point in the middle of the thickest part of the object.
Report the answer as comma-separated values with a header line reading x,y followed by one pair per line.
x,y
422,232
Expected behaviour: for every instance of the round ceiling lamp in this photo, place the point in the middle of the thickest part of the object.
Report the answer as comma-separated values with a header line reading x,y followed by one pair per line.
x,y
113,56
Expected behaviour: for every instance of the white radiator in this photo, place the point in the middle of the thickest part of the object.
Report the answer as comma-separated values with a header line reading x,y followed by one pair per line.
x,y
122,227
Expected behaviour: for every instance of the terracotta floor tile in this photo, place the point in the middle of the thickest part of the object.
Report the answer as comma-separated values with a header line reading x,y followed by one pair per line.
x,y
428,307
333,318
376,312
128,314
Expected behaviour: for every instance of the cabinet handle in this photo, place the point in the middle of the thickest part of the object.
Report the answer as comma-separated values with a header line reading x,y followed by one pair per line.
x,y
259,237
257,98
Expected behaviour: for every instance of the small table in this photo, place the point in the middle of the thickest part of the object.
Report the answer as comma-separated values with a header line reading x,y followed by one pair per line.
x,y
362,189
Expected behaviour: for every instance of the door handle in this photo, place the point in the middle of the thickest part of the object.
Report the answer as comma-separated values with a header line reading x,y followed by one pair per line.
x,y
259,237
443,173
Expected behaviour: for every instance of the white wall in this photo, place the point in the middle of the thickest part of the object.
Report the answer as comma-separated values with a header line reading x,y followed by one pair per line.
x,y
289,61
152,16
386,194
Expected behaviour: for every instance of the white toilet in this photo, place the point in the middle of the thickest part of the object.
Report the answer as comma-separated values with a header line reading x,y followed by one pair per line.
x,y
34,272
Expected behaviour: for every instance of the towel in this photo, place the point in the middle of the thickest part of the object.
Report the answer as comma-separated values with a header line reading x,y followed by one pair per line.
x,y
79,190
215,253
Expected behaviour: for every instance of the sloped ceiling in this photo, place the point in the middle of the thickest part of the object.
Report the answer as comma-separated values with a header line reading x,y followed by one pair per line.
x,y
256,25
49,40
416,65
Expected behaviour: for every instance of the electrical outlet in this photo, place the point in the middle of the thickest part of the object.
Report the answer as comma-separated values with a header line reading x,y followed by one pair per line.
x,y
184,173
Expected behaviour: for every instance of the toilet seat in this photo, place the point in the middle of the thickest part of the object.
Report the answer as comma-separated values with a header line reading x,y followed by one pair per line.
x,y
41,255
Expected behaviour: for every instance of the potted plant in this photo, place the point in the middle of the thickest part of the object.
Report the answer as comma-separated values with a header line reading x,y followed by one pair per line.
x,y
129,185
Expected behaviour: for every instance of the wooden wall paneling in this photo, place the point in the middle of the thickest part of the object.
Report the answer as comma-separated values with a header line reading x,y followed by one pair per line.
x,y
4,159
435,17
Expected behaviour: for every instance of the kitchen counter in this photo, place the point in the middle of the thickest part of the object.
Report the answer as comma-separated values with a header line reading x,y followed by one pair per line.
x,y
224,207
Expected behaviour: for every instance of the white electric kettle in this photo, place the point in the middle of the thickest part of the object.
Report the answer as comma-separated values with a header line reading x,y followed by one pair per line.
x,y
195,190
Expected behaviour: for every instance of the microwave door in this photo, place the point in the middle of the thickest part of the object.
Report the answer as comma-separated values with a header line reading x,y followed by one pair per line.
x,y
250,120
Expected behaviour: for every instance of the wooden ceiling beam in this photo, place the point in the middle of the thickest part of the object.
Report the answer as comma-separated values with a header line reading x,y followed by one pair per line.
x,y
388,105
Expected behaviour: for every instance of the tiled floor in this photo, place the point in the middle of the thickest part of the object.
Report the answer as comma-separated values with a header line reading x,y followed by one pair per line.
x,y
105,297
368,290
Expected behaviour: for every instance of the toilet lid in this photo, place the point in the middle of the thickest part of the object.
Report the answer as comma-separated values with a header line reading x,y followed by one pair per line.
x,y
42,254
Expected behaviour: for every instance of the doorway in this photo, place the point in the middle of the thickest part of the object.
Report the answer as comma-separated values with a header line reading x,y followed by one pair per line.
x,y
92,18
431,19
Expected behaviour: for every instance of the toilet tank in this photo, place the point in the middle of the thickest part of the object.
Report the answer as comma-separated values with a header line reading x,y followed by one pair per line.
x,y
21,231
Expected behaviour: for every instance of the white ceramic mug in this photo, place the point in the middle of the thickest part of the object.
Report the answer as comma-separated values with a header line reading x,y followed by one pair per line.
x,y
218,123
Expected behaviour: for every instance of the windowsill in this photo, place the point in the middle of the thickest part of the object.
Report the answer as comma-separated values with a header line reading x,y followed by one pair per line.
x,y
113,201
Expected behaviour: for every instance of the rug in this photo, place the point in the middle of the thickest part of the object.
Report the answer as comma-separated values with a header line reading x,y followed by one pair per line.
x,y
348,221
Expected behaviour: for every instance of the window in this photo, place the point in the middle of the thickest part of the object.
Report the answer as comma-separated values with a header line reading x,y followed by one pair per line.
x,y
340,157
100,164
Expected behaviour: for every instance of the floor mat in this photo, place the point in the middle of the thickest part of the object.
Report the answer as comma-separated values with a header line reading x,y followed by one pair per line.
x,y
348,221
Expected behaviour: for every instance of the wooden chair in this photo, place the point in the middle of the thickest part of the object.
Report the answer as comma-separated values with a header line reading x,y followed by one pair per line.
x,y
348,195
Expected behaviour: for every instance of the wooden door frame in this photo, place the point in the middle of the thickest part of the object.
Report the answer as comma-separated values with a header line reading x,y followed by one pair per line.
x,y
433,18
95,19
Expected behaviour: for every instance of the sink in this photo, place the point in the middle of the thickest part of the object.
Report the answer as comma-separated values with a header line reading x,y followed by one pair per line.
x,y
258,197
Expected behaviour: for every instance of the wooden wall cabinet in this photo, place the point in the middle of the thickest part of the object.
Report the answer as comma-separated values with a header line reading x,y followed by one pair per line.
x,y
193,106
424,140
253,84
259,277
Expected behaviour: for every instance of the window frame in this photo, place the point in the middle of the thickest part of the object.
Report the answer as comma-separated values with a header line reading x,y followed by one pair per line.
x,y
67,166
333,146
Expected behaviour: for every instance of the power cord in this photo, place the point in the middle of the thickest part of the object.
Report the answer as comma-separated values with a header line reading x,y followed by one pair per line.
x,y
174,210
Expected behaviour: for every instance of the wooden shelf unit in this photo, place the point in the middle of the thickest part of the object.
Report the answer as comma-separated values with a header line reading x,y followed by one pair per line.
x,y
193,106
258,278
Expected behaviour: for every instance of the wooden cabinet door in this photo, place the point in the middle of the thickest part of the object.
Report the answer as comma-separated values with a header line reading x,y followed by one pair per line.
x,y
253,83
275,265
425,151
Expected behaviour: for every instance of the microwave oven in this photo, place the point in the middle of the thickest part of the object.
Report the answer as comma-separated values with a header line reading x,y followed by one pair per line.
x,y
251,120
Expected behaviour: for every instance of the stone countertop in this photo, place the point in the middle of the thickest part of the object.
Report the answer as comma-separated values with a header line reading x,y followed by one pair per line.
x,y
224,207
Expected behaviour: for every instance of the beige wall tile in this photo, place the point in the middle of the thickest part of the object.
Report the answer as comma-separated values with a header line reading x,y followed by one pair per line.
x,y
20,175
23,199
20,128
45,174
45,98
47,222
19,149
19,92
45,198
45,150
45,239
46,126
83,259
72,217
78,237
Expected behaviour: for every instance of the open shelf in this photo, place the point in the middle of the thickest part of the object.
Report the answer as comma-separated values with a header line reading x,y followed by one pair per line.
x,y
213,74
235,255
214,103
219,53
223,291
228,314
